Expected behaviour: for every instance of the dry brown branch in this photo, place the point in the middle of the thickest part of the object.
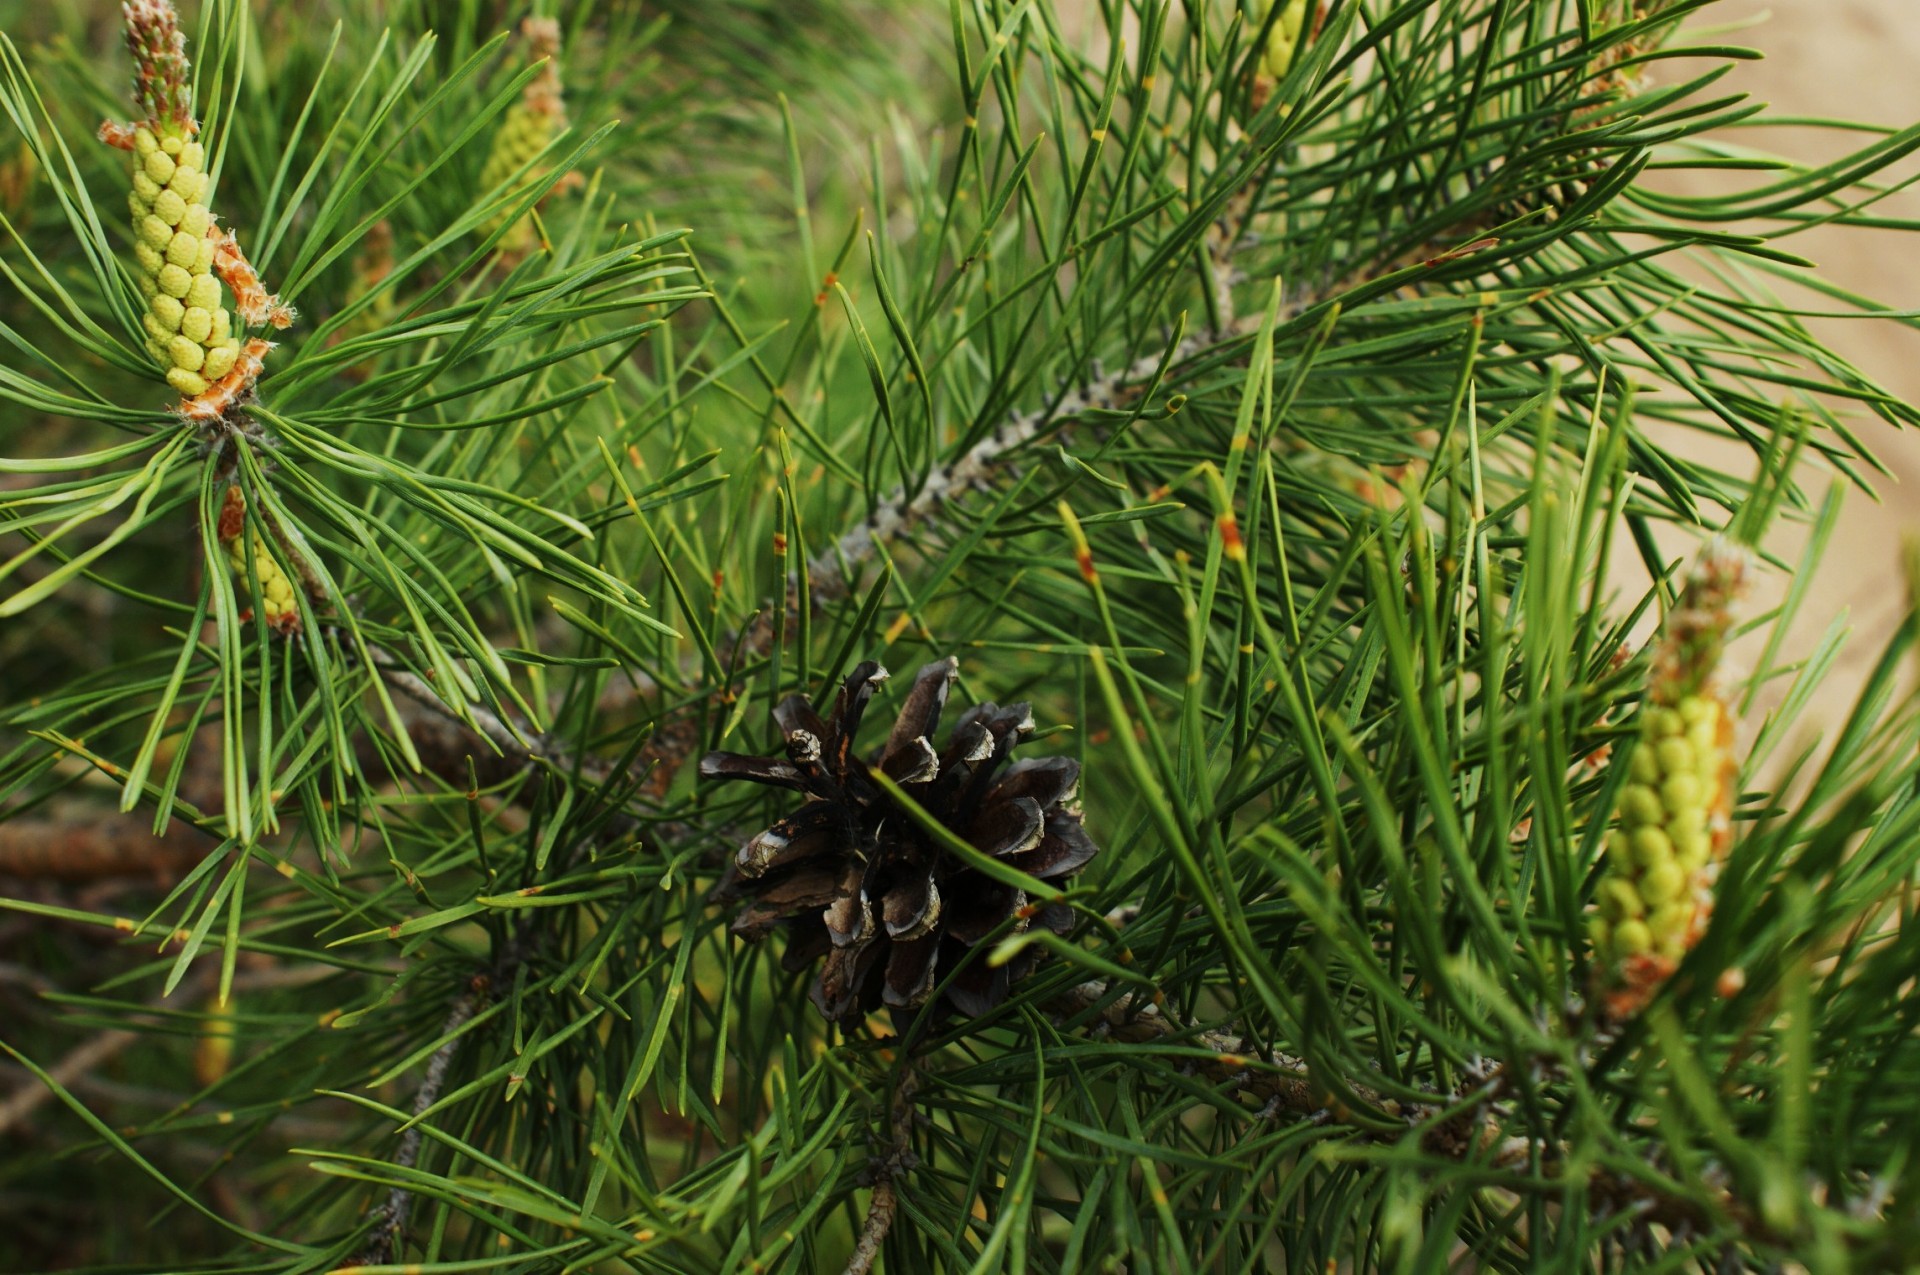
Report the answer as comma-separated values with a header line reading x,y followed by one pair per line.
x,y
78,1064
96,849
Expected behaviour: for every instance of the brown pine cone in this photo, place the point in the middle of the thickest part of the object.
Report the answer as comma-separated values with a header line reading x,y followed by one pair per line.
x,y
853,879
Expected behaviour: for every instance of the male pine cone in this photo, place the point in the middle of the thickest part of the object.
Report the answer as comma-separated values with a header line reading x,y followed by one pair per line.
x,y
528,126
1656,890
251,560
857,884
189,331
1656,896
1282,38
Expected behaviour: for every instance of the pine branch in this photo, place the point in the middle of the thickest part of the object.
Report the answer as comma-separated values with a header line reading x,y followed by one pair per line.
x,y
873,1233
90,850
974,469
832,572
390,1219
1282,1082
512,740
898,1159
503,746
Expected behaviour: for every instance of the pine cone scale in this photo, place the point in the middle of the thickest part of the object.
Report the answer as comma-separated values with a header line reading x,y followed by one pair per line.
x,y
912,967
799,892
984,911
1063,851
1049,781
795,716
760,770
814,830
843,975
911,910
849,916
913,762
1009,828
920,715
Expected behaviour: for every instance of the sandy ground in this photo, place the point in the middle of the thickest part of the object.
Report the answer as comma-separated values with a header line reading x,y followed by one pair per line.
x,y
1851,59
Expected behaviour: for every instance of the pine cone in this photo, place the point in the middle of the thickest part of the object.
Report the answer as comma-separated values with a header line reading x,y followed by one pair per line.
x,y
188,329
1656,894
527,127
1282,38
276,590
854,880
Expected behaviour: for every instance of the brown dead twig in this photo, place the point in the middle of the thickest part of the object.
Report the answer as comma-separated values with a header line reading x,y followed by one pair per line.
x,y
108,845
112,845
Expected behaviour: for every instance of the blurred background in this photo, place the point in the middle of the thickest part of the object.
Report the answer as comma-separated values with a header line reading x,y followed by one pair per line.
x,y
1853,60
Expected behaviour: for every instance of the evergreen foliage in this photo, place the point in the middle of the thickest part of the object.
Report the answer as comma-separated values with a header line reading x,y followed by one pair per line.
x,y
1278,398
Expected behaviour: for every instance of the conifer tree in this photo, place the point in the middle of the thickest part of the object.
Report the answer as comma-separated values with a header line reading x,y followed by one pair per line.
x,y
1259,750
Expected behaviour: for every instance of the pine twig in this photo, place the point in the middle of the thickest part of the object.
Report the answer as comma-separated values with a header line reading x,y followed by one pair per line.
x,y
514,742
1282,1081
390,1219
902,510
1136,1021
880,1211
501,746
885,1200
95,849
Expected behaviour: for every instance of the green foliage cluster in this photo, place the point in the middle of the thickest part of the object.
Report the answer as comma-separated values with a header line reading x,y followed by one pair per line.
x,y
1284,438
